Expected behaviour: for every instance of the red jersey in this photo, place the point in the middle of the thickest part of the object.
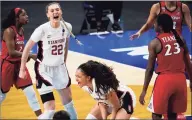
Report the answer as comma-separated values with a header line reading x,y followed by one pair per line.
x,y
170,59
177,15
19,46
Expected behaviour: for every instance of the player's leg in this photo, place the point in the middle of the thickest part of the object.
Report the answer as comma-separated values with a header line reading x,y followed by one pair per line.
x,y
48,101
116,10
95,113
158,104
170,114
32,99
7,78
27,87
127,107
44,87
122,114
2,96
178,101
98,8
66,98
62,84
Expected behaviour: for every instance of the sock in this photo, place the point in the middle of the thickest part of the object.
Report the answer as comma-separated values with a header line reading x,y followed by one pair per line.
x,y
2,97
71,110
90,117
48,114
31,98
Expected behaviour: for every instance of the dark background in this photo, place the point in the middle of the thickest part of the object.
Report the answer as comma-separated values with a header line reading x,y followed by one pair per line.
x,y
134,13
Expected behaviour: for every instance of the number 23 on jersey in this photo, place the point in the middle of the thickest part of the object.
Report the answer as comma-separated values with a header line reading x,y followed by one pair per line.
x,y
177,49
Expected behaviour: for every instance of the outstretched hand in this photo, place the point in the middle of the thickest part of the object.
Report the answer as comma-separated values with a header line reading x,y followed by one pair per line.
x,y
136,35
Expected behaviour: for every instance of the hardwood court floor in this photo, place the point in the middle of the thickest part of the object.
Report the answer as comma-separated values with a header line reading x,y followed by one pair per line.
x,y
16,107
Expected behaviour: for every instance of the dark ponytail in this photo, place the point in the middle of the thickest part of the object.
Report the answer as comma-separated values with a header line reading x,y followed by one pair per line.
x,y
10,19
105,79
178,38
166,22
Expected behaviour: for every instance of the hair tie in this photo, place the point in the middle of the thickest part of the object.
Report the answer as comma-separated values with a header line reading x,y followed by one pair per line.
x,y
17,10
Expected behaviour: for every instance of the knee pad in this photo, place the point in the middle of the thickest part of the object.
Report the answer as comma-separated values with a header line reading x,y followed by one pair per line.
x,y
2,97
90,117
31,98
47,97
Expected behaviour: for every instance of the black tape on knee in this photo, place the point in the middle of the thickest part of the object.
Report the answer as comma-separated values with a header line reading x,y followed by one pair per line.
x,y
47,97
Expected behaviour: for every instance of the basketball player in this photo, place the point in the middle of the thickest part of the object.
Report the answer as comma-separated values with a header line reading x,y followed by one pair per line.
x,y
176,9
102,84
170,90
12,48
52,38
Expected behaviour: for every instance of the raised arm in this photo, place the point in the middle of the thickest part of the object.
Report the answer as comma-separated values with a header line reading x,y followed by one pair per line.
x,y
187,16
150,21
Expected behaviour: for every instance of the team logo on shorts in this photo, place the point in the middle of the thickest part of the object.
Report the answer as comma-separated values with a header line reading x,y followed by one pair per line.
x,y
150,105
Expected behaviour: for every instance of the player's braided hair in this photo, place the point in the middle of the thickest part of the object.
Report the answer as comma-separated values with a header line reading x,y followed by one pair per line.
x,y
166,22
103,75
10,19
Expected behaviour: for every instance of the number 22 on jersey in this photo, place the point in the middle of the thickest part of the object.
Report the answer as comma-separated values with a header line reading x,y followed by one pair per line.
x,y
57,49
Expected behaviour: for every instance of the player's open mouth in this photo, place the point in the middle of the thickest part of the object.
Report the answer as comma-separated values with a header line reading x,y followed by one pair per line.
x,y
78,83
56,17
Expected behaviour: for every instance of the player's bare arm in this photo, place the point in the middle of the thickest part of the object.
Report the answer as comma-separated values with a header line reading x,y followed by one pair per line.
x,y
9,36
66,49
187,61
24,57
103,109
152,48
113,99
155,9
187,16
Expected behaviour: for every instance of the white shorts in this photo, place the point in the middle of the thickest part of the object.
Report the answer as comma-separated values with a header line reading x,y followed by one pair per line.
x,y
51,77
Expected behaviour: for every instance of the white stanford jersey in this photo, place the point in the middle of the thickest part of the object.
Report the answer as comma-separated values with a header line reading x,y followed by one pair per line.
x,y
102,98
51,43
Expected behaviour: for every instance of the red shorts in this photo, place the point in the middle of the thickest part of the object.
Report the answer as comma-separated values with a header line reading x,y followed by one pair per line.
x,y
169,94
10,76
